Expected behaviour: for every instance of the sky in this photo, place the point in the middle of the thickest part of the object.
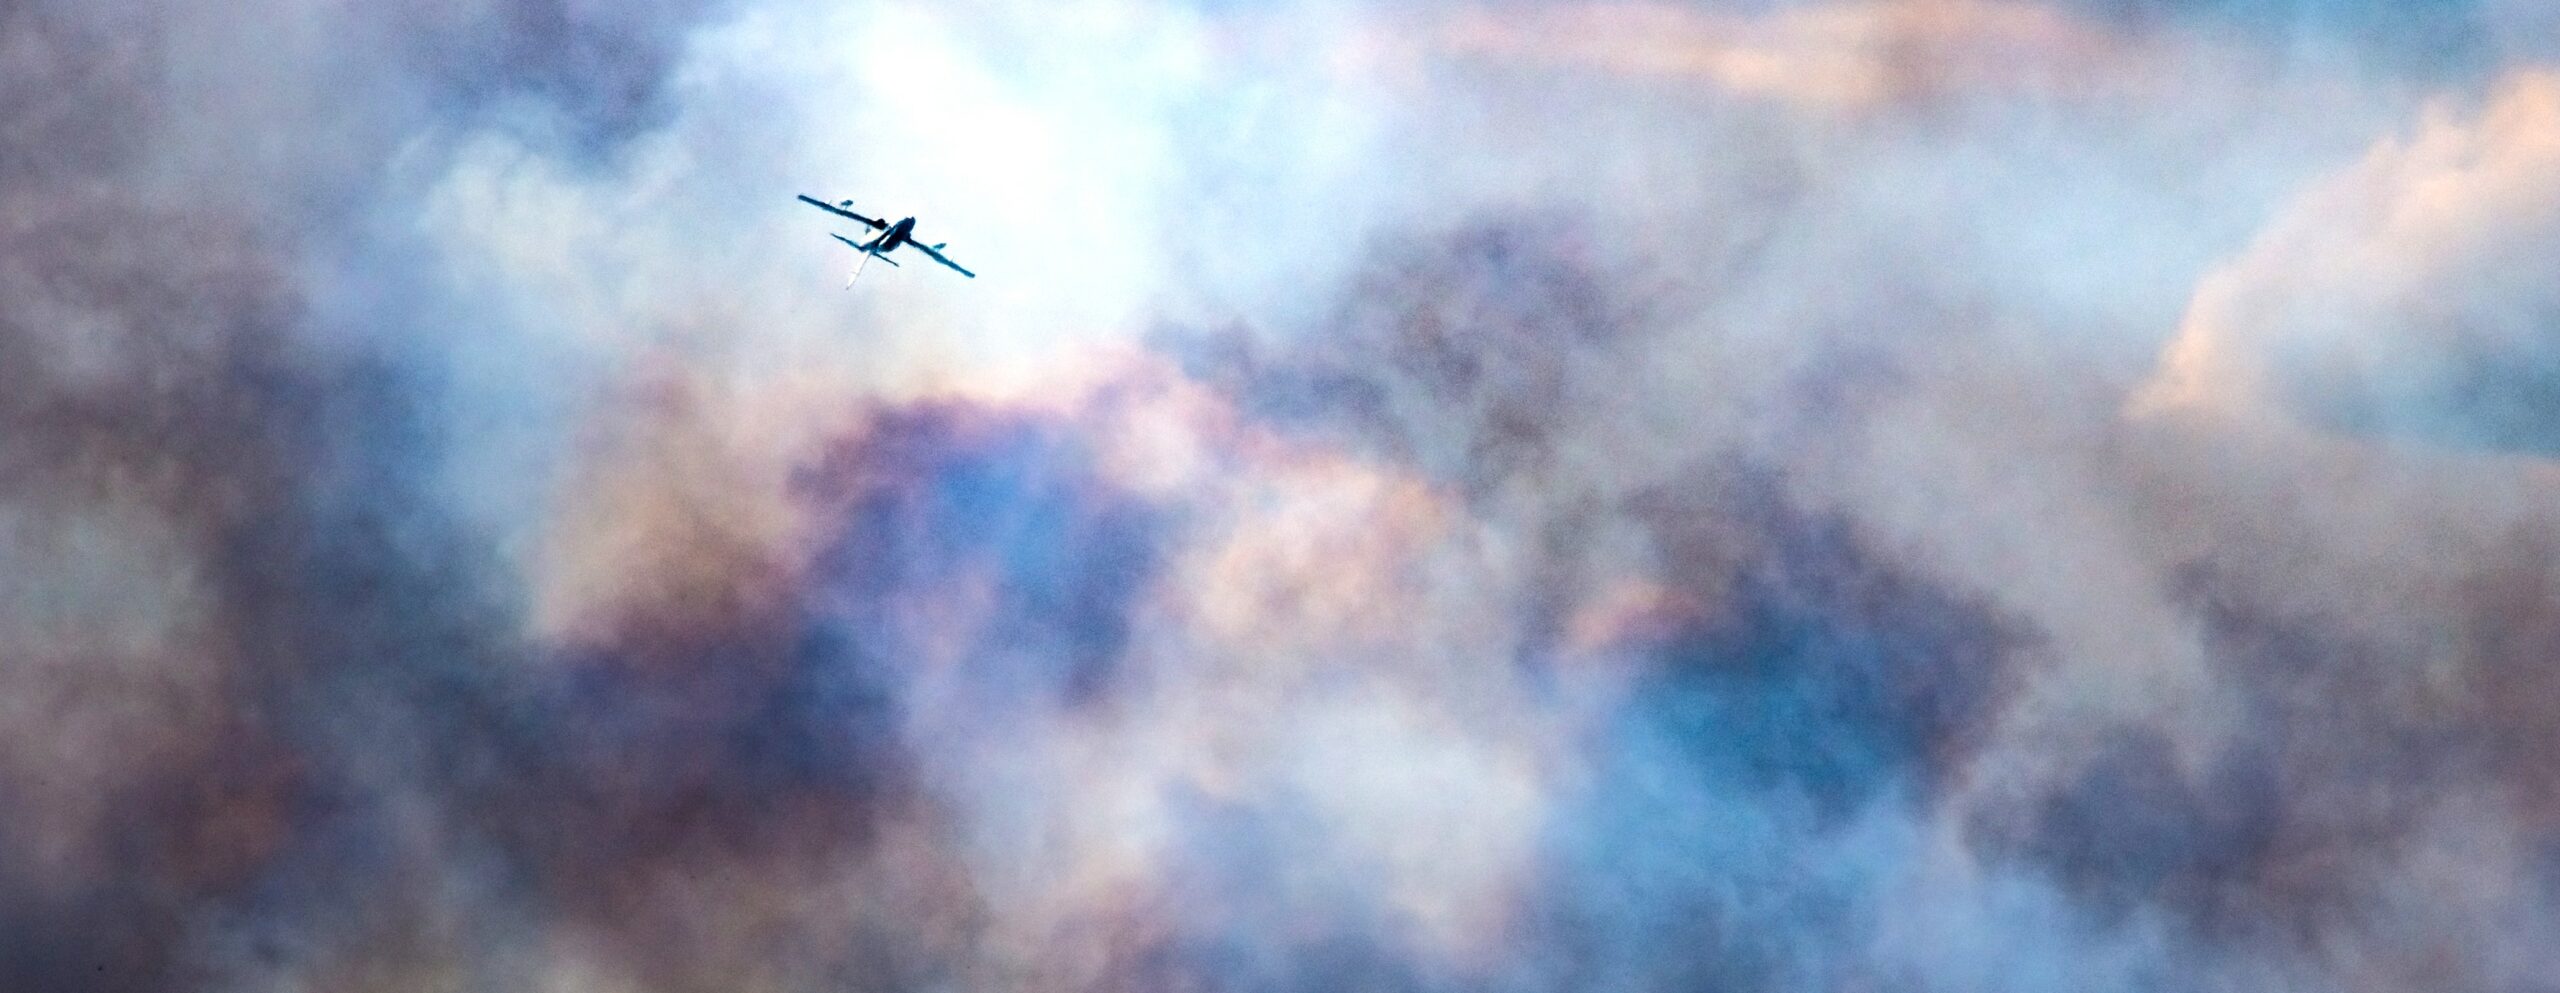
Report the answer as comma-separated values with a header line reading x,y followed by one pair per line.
x,y
1425,495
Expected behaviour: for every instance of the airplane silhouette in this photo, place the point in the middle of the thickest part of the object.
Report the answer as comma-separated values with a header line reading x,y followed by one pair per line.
x,y
891,238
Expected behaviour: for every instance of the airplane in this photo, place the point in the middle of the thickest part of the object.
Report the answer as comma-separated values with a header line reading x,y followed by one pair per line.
x,y
891,238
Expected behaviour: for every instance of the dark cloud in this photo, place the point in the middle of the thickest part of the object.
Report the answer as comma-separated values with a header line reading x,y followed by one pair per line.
x,y
1454,351
937,500
590,74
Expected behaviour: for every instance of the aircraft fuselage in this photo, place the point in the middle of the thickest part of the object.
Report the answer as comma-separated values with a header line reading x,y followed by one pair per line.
x,y
898,234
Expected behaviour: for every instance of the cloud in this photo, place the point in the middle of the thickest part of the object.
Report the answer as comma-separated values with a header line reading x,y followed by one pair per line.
x,y
2394,298
1833,56
1774,496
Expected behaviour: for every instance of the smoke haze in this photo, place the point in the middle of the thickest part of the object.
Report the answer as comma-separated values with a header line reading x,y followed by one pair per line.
x,y
1929,495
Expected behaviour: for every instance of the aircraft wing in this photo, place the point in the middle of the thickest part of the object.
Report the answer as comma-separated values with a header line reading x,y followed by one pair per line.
x,y
937,256
866,249
841,212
